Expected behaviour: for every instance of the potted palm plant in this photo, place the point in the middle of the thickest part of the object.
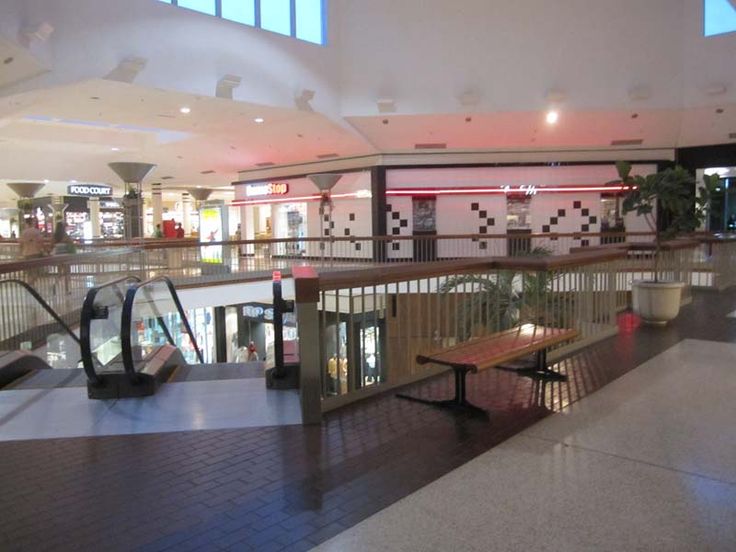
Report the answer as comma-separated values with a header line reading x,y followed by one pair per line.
x,y
670,193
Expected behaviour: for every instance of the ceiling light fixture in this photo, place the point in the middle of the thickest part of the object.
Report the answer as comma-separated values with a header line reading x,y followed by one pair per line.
x,y
185,110
115,149
73,181
552,117
259,120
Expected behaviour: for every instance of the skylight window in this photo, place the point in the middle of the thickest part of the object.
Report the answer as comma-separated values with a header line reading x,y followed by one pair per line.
x,y
301,19
203,6
239,11
719,17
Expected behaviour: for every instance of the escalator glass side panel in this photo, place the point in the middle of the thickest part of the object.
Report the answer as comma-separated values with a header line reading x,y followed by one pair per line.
x,y
100,327
28,322
154,318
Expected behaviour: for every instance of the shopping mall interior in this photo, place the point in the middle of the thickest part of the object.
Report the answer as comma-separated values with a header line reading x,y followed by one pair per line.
x,y
359,276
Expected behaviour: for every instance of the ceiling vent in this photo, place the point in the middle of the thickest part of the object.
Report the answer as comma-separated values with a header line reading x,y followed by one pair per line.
x,y
208,172
632,142
167,177
327,156
431,146
265,164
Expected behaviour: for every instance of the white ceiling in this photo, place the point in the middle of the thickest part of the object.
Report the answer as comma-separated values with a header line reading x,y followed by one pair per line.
x,y
74,131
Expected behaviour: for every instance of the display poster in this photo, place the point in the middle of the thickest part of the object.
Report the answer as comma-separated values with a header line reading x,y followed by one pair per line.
x,y
211,230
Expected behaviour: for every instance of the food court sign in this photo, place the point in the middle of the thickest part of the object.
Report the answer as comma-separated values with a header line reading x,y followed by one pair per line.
x,y
268,189
88,190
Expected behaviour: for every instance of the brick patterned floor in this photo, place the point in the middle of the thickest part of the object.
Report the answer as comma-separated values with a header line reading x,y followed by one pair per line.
x,y
289,488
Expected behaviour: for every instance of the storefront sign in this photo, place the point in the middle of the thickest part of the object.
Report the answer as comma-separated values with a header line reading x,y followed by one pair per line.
x,y
89,190
261,312
269,189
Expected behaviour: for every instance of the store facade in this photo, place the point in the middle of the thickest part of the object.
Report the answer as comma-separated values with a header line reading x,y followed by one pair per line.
x,y
289,208
440,200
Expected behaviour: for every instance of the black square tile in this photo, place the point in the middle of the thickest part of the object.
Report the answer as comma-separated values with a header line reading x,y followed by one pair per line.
x,y
327,231
351,216
585,228
585,212
395,246
560,212
347,231
404,223
396,215
326,218
545,228
491,221
396,231
553,220
474,206
483,229
585,243
577,204
332,224
483,214
358,246
483,245
593,220
388,207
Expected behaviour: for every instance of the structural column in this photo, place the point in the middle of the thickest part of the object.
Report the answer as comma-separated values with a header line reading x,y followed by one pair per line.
x,y
157,204
94,216
186,209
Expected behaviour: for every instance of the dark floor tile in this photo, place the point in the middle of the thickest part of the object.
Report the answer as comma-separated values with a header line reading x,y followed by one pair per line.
x,y
293,487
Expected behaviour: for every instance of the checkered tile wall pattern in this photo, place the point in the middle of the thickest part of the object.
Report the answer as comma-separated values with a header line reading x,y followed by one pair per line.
x,y
485,224
396,225
587,221
344,231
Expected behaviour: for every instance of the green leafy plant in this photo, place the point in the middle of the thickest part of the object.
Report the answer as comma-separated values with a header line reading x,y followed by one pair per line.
x,y
670,193
503,300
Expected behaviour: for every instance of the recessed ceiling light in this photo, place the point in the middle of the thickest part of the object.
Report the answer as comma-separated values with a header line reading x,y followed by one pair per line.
x,y
46,181
115,149
552,117
185,110
199,186
259,120
73,181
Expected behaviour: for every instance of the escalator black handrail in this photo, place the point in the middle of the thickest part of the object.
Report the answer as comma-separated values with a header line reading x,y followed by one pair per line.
x,y
85,325
127,320
41,301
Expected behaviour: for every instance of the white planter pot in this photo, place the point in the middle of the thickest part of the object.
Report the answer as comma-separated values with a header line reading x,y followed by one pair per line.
x,y
656,302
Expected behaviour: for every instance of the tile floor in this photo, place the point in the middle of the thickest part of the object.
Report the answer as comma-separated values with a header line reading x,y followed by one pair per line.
x,y
292,487
189,406
643,464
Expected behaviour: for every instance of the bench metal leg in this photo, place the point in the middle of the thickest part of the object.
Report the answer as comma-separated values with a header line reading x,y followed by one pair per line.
x,y
538,370
459,402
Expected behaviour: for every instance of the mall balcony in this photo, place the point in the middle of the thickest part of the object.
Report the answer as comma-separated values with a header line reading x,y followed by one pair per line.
x,y
112,343
358,276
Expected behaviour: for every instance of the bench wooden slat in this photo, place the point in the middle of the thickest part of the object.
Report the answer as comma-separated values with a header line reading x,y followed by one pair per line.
x,y
491,350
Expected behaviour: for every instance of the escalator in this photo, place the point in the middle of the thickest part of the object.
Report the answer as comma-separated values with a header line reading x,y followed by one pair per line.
x,y
134,336
37,344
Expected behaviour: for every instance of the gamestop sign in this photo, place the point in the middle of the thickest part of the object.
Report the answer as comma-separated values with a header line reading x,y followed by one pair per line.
x,y
264,190
88,190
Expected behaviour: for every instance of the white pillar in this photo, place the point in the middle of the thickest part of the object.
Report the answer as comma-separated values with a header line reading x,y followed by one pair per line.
x,y
94,216
157,204
186,210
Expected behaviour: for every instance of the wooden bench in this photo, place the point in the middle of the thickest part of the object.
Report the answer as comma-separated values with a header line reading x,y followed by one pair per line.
x,y
492,351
